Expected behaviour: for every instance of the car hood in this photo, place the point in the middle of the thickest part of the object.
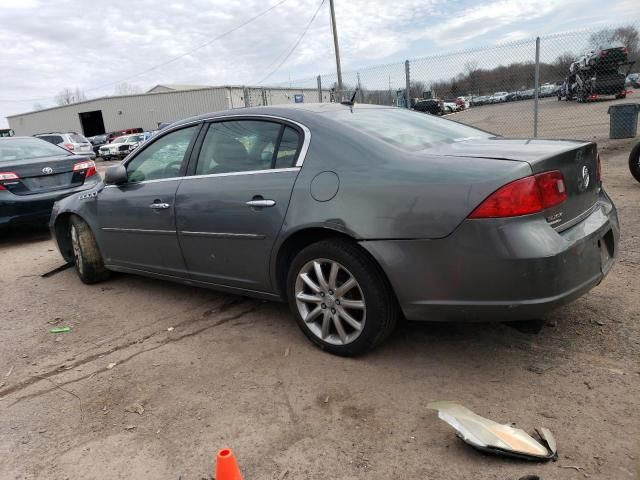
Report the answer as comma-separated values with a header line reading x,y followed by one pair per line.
x,y
523,150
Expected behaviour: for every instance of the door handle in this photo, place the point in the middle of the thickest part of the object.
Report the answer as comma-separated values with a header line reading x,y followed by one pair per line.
x,y
261,203
160,206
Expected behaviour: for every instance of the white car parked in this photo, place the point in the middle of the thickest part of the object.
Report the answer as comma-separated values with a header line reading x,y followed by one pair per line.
x,y
498,97
121,147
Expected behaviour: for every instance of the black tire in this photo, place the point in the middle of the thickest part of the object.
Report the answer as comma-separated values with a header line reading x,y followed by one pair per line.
x,y
381,310
634,162
87,256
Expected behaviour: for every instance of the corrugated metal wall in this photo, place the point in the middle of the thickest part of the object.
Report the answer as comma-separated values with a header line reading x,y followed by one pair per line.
x,y
147,110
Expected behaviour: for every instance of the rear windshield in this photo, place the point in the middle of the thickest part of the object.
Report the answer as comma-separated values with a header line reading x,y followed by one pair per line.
x,y
75,138
406,129
27,148
55,139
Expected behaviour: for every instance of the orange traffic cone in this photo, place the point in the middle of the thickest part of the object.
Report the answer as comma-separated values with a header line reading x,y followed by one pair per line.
x,y
227,466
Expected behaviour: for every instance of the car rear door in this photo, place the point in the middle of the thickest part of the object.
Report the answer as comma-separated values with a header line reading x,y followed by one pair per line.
x,y
229,213
137,218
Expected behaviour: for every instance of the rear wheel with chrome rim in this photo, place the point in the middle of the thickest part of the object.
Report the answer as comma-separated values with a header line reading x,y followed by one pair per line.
x,y
340,297
634,162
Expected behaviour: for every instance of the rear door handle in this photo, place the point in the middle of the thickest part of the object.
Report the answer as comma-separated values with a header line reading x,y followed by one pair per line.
x,y
261,203
160,206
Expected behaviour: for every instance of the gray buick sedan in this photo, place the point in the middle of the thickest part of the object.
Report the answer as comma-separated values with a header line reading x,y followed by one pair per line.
x,y
354,215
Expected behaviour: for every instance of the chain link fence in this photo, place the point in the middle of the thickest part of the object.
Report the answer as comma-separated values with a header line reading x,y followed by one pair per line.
x,y
555,86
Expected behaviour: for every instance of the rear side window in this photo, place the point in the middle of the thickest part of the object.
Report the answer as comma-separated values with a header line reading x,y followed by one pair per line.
x,y
288,148
238,146
409,130
55,139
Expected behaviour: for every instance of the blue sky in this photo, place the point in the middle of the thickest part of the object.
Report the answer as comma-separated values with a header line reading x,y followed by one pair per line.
x,y
96,48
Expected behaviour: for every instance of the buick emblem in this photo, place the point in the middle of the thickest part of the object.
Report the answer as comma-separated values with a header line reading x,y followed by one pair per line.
x,y
47,170
583,180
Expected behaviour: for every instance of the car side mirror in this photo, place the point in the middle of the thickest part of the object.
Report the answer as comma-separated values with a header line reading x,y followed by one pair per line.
x,y
115,175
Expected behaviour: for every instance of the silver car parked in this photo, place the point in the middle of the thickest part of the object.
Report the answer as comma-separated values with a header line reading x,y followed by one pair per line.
x,y
74,142
354,215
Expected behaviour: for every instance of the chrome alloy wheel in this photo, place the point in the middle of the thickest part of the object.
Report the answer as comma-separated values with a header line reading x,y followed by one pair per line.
x,y
77,253
330,301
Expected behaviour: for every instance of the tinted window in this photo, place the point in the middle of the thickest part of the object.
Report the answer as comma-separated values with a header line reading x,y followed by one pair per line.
x,y
238,146
405,129
288,148
55,139
25,148
162,158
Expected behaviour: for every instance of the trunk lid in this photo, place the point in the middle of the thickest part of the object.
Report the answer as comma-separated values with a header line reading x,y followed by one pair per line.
x,y
46,174
576,160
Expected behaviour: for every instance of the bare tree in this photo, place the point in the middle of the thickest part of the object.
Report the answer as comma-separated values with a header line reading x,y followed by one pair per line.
x,y
417,89
125,88
68,96
627,36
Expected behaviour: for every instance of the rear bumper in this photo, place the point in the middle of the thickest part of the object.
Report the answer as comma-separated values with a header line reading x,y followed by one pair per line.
x,y
500,269
36,208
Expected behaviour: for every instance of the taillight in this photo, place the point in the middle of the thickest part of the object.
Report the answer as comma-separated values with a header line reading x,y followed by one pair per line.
x,y
88,165
68,146
524,196
7,176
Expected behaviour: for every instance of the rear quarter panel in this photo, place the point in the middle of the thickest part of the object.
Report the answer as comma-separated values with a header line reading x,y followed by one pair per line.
x,y
388,193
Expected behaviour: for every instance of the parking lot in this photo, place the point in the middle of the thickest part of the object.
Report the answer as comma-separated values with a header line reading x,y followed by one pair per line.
x,y
154,377
557,119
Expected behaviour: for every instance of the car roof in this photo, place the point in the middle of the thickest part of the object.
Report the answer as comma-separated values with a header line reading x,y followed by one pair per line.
x,y
295,111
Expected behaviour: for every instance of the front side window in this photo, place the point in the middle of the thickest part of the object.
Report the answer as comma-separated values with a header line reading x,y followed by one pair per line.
x,y
238,146
161,159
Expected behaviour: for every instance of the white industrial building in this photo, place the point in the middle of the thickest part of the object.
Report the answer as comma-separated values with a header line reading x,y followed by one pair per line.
x,y
163,103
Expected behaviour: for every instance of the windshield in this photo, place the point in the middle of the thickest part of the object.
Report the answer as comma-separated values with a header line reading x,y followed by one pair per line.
x,y
406,129
27,148
120,140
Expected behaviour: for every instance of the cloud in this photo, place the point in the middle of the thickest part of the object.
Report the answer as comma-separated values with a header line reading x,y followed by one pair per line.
x,y
479,20
96,45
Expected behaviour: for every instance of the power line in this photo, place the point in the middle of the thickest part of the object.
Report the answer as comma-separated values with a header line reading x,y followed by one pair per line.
x,y
166,62
295,45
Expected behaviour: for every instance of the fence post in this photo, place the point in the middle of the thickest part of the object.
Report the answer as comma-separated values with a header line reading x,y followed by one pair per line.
x,y
407,92
247,100
319,89
536,85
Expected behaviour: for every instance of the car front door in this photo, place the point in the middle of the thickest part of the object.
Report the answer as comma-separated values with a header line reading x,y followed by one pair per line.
x,y
137,218
230,211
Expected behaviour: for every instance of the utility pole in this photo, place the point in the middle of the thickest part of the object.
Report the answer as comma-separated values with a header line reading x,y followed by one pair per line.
x,y
335,45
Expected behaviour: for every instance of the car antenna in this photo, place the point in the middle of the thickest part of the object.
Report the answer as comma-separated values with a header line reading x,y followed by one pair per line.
x,y
352,102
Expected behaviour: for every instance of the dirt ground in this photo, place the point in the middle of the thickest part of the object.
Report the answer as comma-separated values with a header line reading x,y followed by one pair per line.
x,y
154,377
581,121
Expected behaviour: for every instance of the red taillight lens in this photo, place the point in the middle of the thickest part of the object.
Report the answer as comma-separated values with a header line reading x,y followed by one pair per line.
x,y
7,176
553,191
68,146
524,196
88,165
